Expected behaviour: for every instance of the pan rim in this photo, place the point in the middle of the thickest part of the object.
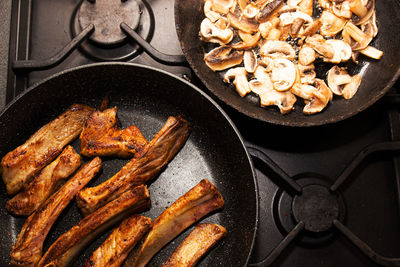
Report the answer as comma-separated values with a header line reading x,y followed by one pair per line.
x,y
260,116
203,94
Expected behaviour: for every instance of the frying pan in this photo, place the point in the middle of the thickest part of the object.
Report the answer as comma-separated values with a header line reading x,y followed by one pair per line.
x,y
378,75
146,97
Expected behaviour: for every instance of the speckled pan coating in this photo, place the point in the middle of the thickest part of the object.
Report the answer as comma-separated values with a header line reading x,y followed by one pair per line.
x,y
146,97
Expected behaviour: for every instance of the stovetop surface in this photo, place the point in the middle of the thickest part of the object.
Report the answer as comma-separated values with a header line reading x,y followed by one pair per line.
x,y
370,198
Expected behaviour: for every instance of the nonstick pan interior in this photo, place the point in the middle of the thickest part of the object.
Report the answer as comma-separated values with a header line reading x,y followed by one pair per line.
x,y
378,75
146,97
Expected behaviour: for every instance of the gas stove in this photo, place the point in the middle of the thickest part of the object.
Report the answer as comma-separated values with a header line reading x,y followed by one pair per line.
x,y
329,195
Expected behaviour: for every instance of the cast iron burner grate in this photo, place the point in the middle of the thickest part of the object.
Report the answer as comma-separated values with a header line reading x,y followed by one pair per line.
x,y
317,208
128,30
313,227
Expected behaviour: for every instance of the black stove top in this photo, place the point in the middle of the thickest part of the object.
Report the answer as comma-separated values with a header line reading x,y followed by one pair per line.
x,y
329,195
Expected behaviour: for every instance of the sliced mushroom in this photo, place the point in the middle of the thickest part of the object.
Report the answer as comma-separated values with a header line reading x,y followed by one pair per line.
x,y
211,15
222,6
262,83
268,10
223,57
351,89
211,33
249,41
283,100
369,27
363,10
320,99
274,35
342,51
265,28
277,49
242,4
337,78
372,52
325,4
289,17
250,11
240,81
312,29
307,73
293,3
342,9
283,74
306,55
331,24
304,91
361,39
372,23
242,23
286,9
250,61
263,86
296,26
318,43
306,6
267,63
354,56
260,3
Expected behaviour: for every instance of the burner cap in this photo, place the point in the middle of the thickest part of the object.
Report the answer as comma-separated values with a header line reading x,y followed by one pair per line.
x,y
107,15
317,207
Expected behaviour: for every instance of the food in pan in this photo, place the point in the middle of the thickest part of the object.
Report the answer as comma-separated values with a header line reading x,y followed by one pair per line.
x,y
189,208
120,242
272,47
196,244
27,251
103,136
68,245
49,179
139,170
19,166
108,203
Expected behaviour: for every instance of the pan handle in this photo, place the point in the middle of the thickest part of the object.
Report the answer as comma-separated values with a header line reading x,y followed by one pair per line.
x,y
154,53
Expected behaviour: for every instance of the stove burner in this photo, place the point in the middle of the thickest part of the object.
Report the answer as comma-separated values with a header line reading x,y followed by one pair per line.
x,y
109,42
106,16
317,207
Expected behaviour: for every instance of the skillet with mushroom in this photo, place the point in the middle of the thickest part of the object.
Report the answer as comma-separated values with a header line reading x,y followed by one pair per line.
x,y
272,47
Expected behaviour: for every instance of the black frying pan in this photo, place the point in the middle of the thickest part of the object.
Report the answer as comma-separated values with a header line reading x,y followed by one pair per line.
x,y
146,97
378,76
